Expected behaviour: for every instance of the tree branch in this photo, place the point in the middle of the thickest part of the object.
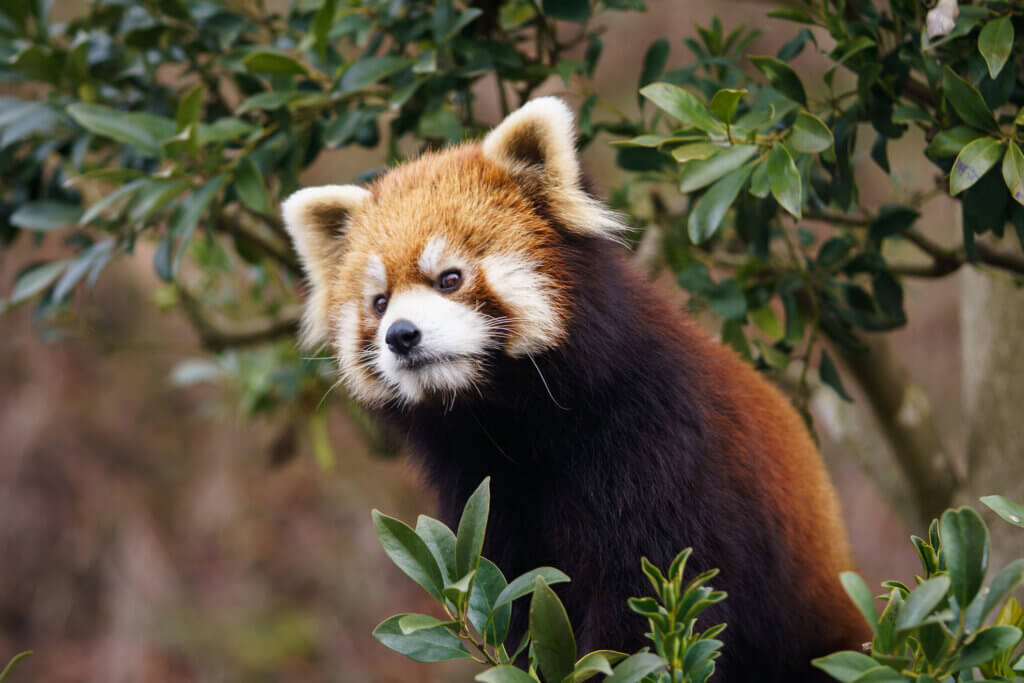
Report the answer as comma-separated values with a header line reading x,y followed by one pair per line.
x,y
217,335
283,254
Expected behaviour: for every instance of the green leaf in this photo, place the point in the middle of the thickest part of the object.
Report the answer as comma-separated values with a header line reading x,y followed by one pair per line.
x,y
727,300
487,586
893,219
995,42
369,70
441,541
987,644
429,645
810,134
250,188
845,666
469,540
1005,583
654,63
458,590
273,62
184,222
506,673
321,26
46,214
702,172
80,266
792,14
33,280
921,602
598,662
782,77
411,623
145,132
683,106
830,376
409,552
784,180
882,674
968,102
760,186
948,143
764,319
1011,512
11,664
695,152
635,668
189,108
224,130
910,114
965,548
1013,171
859,593
524,584
973,162
724,103
553,642
707,214
568,10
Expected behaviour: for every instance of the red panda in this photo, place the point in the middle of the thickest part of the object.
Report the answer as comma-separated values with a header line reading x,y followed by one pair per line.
x,y
479,301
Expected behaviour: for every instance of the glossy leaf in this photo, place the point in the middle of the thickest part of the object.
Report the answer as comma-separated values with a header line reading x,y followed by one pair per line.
x,y
272,62
145,132
782,78
250,188
784,180
965,549
411,623
184,222
921,602
553,641
845,666
987,644
1013,171
428,645
469,540
487,586
810,134
46,214
973,162
683,106
695,152
986,601
995,43
635,668
948,143
441,542
506,673
409,553
830,376
968,102
369,70
861,596
707,214
1011,512
598,662
724,103
525,583
702,172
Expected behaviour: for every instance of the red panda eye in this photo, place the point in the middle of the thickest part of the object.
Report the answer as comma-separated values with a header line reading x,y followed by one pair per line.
x,y
380,304
449,281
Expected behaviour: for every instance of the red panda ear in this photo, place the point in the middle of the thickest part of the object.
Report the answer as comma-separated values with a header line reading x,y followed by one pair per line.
x,y
316,218
540,139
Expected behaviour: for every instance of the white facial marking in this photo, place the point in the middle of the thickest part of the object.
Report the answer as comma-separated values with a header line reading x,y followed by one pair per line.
x,y
454,335
351,361
376,277
431,260
528,295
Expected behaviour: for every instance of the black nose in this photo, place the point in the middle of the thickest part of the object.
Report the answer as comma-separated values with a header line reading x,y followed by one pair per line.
x,y
402,337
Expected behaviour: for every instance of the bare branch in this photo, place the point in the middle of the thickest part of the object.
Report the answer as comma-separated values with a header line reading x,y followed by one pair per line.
x,y
217,335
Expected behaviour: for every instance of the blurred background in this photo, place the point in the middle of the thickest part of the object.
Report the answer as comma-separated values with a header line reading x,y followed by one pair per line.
x,y
151,531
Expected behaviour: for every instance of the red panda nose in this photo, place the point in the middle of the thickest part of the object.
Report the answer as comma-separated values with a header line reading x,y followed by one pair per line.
x,y
402,337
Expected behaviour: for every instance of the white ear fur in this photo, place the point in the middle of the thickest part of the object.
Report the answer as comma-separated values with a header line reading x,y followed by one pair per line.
x,y
316,218
540,137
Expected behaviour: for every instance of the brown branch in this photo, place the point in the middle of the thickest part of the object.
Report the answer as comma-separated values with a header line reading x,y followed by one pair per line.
x,y
217,335
283,254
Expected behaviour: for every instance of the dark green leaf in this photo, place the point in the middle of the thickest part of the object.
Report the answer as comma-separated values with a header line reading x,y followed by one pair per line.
x,y
760,185
223,130
845,666
429,645
635,668
909,114
189,108
80,266
707,214
792,14
441,541
568,10
249,186
654,63
46,214
553,642
830,376
369,70
409,553
1011,512
810,134
506,673
594,48
487,586
987,600
163,258
784,180
272,62
921,602
973,162
724,103
995,42
696,151
892,219
782,78
733,336
948,143
968,102
987,644
832,252
33,280
321,26
965,548
683,106
470,537
882,674
524,584
145,132
192,209
1013,171
702,172
726,299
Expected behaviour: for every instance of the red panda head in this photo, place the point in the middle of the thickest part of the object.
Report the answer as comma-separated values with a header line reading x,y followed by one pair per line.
x,y
447,260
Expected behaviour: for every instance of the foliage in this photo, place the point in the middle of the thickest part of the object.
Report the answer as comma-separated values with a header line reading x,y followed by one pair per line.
x,y
11,664
937,631
477,604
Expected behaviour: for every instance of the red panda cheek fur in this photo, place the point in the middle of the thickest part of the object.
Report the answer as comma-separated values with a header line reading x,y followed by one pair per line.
x,y
634,434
